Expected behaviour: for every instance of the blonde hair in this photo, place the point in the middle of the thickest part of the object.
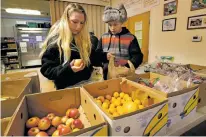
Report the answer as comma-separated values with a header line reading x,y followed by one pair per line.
x,y
64,35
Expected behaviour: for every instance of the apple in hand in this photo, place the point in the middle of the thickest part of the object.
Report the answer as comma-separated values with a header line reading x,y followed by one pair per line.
x,y
40,134
78,62
44,123
77,123
64,119
51,116
74,113
56,121
33,131
51,130
32,122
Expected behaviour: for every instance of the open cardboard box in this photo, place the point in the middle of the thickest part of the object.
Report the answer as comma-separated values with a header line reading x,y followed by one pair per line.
x,y
57,102
15,89
147,121
21,75
182,103
200,71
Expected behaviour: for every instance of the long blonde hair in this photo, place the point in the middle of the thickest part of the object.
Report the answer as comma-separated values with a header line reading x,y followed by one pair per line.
x,y
64,35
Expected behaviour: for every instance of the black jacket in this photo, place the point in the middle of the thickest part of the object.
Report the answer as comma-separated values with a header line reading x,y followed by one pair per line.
x,y
62,74
125,42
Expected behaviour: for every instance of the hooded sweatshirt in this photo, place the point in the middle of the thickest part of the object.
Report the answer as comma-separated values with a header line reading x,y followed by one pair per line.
x,y
124,46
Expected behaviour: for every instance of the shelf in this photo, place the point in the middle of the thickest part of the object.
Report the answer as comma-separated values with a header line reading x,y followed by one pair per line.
x,y
9,49
8,42
11,63
9,56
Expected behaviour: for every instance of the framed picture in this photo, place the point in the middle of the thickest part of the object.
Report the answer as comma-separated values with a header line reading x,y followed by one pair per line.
x,y
198,4
196,22
169,24
170,8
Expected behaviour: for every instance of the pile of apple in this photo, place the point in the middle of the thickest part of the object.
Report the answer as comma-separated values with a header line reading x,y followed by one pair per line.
x,y
122,103
52,125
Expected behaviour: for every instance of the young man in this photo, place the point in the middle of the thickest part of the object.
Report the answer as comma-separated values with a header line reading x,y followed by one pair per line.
x,y
118,41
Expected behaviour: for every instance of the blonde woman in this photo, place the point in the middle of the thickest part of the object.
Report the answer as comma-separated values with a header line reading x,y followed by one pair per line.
x,y
67,41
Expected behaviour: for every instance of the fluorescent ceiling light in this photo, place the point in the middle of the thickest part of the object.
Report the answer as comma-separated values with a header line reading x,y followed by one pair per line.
x,y
23,11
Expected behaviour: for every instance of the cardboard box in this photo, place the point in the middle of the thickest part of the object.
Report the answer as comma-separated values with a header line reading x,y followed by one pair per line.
x,y
57,102
200,71
21,75
182,104
15,90
147,121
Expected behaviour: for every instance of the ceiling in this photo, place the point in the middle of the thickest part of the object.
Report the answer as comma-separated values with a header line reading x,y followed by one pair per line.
x,y
41,5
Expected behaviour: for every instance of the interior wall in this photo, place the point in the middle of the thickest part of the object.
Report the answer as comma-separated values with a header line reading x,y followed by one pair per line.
x,y
177,43
94,14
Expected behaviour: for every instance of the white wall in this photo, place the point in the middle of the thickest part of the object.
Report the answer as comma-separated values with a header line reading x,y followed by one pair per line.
x,y
177,43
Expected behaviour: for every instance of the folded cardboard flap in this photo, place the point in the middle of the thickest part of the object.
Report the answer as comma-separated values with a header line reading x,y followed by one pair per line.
x,y
4,123
8,107
16,127
56,102
91,112
196,67
14,87
21,75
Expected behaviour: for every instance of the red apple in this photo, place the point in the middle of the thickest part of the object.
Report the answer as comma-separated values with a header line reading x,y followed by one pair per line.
x,y
56,121
32,122
74,113
77,123
60,126
64,119
40,134
64,130
56,133
69,121
51,116
75,130
33,131
51,130
67,113
44,123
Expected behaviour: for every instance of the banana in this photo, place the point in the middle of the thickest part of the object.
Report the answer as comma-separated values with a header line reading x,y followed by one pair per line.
x,y
157,122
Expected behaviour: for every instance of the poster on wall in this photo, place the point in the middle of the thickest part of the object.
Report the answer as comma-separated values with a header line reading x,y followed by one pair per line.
x,y
169,24
135,7
196,22
170,8
198,4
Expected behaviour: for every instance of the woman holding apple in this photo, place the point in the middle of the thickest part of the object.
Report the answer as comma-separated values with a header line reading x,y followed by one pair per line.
x,y
67,56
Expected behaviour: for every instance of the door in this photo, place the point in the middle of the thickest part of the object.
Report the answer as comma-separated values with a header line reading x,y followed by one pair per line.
x,y
142,33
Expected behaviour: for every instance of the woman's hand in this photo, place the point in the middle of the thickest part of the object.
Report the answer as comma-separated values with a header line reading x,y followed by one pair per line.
x,y
75,68
109,55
